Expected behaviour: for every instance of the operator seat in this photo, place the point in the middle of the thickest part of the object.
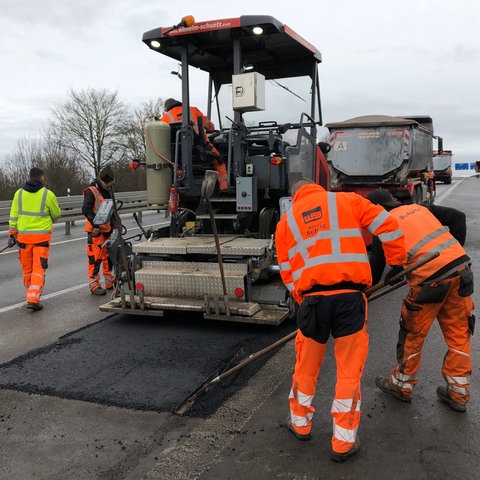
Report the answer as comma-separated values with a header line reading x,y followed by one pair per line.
x,y
202,156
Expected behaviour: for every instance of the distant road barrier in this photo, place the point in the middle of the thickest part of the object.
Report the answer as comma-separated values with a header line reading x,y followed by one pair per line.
x,y
72,208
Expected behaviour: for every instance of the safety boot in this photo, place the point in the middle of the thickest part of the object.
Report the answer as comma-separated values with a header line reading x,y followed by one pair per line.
x,y
443,394
385,386
304,437
98,291
342,457
34,305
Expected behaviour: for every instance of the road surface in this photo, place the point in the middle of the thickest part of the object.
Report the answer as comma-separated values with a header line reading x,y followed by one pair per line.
x,y
89,395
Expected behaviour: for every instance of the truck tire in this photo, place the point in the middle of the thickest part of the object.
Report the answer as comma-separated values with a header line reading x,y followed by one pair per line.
x,y
268,220
417,195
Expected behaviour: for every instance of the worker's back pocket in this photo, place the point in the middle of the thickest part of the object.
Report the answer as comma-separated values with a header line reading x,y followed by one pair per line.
x,y
339,315
466,283
433,293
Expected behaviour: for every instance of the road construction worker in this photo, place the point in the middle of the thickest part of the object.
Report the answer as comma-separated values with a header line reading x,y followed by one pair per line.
x,y
98,235
324,264
34,209
173,113
441,289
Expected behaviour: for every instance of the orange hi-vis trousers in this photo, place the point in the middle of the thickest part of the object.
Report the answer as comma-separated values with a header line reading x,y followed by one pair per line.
x,y
452,313
222,178
98,258
34,261
350,354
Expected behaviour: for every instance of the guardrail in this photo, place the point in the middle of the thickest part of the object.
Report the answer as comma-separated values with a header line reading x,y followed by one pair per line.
x,y
132,202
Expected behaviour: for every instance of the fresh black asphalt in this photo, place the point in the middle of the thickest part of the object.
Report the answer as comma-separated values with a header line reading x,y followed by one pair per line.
x,y
143,363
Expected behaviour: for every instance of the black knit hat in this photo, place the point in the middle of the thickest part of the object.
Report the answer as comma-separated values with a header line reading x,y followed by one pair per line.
x,y
383,198
171,103
35,173
106,175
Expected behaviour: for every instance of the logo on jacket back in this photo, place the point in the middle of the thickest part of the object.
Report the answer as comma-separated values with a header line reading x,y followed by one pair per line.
x,y
312,215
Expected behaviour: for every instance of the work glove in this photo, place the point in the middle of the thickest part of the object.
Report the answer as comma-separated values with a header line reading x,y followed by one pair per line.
x,y
12,240
96,232
395,270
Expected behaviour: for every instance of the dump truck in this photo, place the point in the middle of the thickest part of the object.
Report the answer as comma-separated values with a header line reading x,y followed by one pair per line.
x,y
382,151
442,166
217,255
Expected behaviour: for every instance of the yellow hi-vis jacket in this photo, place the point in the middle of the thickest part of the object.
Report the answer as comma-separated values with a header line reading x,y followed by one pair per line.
x,y
32,215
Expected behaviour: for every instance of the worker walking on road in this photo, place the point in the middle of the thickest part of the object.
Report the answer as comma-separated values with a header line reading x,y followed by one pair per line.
x,y
98,235
440,289
173,113
34,209
324,264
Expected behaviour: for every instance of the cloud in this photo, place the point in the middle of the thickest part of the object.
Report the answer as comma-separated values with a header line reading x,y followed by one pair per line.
x,y
418,57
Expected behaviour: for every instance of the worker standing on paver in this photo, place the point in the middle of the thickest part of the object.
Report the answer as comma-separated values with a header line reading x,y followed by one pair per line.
x,y
34,209
324,264
98,235
440,289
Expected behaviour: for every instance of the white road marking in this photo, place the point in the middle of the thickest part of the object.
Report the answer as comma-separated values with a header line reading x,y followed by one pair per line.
x,y
45,297
445,194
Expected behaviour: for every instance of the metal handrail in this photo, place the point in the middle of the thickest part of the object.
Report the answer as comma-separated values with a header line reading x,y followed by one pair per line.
x,y
71,206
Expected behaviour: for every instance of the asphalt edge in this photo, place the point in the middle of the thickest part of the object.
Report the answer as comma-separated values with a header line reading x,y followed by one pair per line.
x,y
205,444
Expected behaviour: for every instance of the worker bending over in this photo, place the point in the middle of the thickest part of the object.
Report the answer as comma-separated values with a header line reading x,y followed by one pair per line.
x,y
324,264
440,289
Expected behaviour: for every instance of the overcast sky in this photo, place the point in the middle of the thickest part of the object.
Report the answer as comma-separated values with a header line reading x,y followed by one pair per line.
x,y
416,57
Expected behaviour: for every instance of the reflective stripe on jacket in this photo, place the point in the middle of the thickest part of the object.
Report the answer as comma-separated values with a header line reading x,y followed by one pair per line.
x,y
32,215
319,240
424,233
98,200
175,115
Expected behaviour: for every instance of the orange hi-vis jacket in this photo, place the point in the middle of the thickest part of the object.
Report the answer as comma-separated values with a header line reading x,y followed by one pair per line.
x,y
98,200
319,240
423,234
175,115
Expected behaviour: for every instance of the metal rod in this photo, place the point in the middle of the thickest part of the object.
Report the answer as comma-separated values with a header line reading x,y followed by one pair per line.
x,y
422,261
187,403
217,245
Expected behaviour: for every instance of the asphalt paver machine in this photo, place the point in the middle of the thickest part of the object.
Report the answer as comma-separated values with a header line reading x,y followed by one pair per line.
x,y
217,256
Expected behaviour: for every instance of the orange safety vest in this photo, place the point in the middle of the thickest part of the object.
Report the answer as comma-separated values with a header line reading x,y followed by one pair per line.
x,y
424,233
319,240
98,200
175,115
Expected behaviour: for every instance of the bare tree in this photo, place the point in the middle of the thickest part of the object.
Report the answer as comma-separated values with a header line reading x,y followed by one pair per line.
x,y
91,125
62,171
127,179
19,163
136,146
7,188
